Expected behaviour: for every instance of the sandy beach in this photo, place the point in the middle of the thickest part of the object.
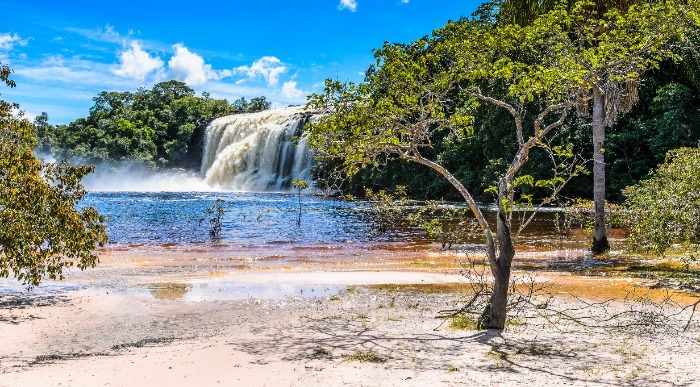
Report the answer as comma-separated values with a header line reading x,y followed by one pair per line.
x,y
199,318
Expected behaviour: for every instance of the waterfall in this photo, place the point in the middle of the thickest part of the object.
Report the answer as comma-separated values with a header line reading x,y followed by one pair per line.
x,y
254,152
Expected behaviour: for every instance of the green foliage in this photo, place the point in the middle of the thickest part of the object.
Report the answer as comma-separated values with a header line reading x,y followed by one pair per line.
x,y
320,352
667,117
664,210
42,229
300,185
387,207
364,357
256,104
161,127
532,64
464,322
444,224
368,123
421,100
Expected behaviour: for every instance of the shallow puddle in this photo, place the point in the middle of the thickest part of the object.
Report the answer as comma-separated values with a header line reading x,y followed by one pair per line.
x,y
207,291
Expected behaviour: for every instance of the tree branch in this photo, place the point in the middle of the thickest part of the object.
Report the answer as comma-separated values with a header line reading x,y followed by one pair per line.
x,y
518,118
540,133
491,246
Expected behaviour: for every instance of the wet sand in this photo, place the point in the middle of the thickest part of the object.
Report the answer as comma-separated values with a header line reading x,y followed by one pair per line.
x,y
242,315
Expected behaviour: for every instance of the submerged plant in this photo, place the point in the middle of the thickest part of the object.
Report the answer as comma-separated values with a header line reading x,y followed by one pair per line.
x,y
579,214
386,207
215,213
300,185
444,224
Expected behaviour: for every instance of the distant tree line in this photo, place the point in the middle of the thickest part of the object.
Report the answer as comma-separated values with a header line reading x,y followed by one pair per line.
x,y
160,127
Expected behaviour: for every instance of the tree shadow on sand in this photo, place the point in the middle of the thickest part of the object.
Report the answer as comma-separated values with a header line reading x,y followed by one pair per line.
x,y
12,303
506,354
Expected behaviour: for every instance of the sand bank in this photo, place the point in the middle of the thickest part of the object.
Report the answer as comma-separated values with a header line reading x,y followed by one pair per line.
x,y
144,322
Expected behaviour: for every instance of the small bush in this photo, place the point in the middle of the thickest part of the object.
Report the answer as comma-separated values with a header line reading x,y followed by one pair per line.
x,y
321,352
365,357
464,322
387,208
664,210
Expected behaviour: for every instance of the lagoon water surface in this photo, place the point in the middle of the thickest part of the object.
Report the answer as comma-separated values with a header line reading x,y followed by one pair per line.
x,y
249,218
148,218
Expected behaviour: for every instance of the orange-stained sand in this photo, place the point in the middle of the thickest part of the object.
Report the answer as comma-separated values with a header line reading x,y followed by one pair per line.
x,y
565,273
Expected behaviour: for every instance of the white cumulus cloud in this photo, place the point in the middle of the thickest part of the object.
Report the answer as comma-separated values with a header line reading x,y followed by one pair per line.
x,y
348,4
20,113
135,63
268,67
189,67
73,71
9,41
290,91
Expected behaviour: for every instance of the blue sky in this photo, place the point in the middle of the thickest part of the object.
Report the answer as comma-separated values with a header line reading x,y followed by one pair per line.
x,y
64,53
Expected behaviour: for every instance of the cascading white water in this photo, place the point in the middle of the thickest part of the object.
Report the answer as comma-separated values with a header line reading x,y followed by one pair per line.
x,y
255,153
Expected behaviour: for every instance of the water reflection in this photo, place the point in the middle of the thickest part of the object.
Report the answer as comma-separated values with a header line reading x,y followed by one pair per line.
x,y
169,291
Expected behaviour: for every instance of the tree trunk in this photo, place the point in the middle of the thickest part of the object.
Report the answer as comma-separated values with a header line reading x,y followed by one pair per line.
x,y
600,240
299,217
495,313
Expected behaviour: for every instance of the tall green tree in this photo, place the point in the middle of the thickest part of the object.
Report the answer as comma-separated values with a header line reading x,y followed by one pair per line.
x,y
43,230
596,22
428,89
402,107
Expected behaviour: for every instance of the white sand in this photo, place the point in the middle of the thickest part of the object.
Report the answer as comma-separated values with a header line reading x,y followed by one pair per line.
x,y
151,331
